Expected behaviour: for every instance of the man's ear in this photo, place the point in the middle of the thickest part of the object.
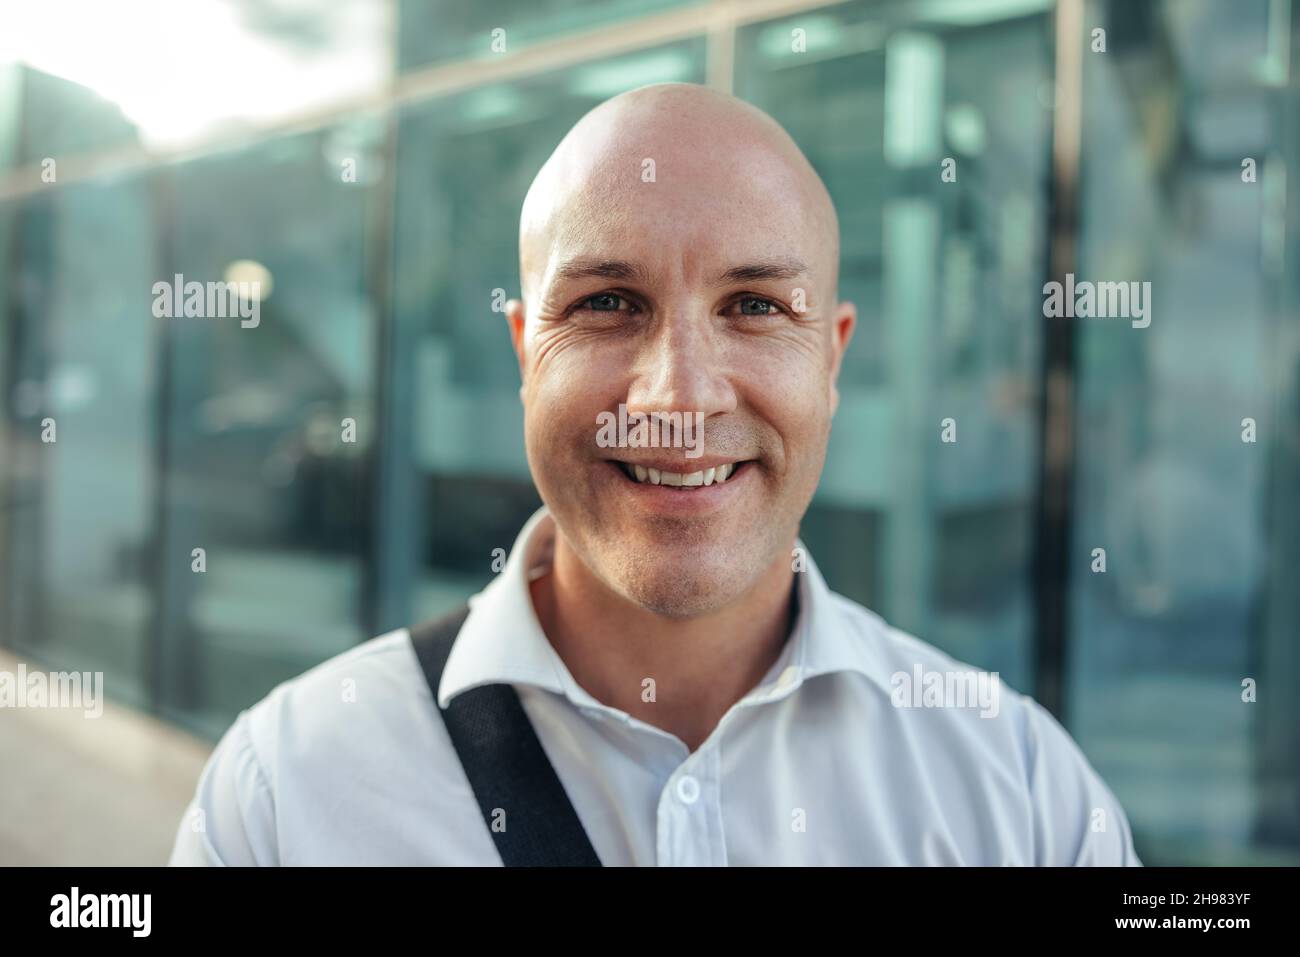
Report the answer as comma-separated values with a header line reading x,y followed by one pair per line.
x,y
842,325
515,313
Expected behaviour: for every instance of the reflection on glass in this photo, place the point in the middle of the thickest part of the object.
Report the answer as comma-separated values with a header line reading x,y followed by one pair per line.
x,y
263,471
77,469
435,32
1198,592
180,73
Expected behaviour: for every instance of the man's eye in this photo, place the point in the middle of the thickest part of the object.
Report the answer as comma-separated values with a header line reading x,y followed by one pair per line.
x,y
753,306
604,302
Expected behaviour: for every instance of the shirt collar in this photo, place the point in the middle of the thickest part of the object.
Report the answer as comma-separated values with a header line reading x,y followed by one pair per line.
x,y
502,640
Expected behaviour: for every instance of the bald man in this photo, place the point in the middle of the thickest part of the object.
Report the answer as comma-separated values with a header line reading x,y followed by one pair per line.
x,y
660,675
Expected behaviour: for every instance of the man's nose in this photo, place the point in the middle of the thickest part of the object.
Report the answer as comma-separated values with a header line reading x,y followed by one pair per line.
x,y
681,369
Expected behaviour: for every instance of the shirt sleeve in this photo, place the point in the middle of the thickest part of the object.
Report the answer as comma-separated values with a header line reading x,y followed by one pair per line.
x,y
231,819
1077,820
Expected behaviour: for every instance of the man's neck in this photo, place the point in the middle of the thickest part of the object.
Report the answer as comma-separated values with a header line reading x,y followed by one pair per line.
x,y
700,666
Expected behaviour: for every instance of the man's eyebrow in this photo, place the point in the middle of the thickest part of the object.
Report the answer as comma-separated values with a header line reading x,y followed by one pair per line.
x,y
783,268
576,269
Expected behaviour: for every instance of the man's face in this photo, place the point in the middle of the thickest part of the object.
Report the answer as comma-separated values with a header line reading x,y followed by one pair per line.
x,y
708,291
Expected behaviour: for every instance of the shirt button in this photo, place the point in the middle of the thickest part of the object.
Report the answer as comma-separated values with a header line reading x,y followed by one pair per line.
x,y
688,789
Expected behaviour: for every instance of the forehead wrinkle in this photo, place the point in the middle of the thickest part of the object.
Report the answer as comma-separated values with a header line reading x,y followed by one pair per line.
x,y
584,267
783,267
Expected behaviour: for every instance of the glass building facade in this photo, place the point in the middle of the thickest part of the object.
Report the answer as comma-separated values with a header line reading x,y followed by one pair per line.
x,y
384,214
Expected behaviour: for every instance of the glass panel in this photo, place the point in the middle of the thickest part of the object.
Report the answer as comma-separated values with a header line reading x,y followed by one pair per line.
x,y
434,32
1199,525
262,471
464,165
78,459
935,535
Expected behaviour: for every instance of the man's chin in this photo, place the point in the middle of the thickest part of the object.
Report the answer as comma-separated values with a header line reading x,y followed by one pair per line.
x,y
675,569
671,591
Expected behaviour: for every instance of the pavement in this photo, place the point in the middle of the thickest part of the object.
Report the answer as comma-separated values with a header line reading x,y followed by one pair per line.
x,y
77,790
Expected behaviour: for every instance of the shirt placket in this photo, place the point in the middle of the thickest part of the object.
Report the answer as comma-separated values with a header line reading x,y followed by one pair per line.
x,y
689,825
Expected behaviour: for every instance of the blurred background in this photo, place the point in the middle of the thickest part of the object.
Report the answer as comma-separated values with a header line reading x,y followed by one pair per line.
x,y
214,137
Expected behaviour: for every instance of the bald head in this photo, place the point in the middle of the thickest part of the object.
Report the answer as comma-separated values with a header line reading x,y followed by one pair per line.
x,y
682,154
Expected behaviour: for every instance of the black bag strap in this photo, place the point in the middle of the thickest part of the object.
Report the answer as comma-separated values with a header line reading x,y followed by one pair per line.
x,y
505,763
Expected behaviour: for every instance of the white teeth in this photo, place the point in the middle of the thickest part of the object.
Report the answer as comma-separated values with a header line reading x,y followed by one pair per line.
x,y
711,476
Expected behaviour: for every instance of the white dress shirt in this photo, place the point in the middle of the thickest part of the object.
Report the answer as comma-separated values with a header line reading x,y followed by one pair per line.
x,y
350,763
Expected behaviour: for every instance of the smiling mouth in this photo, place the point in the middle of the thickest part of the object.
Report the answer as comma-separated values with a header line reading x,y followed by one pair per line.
x,y
685,481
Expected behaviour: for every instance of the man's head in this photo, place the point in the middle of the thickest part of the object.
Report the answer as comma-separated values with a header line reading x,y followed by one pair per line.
x,y
678,254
